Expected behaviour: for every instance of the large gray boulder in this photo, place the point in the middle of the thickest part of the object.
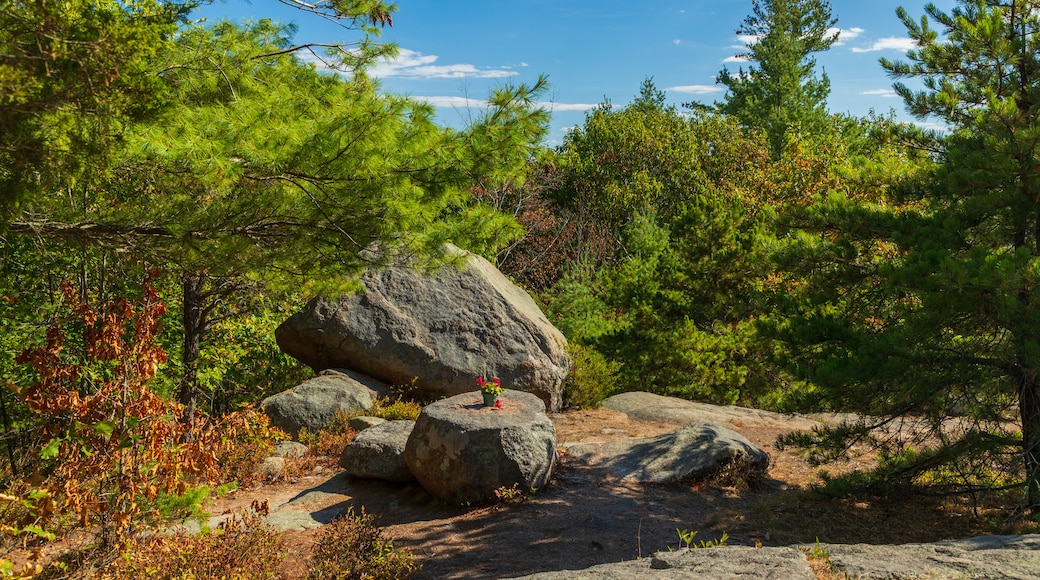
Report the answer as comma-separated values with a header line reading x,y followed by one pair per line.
x,y
378,452
461,451
314,403
695,451
441,331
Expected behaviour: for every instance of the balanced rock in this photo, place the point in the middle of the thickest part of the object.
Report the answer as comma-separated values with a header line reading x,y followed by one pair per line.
x,y
314,403
461,451
695,451
378,452
439,331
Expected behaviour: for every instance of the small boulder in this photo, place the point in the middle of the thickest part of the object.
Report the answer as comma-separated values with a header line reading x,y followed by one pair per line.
x,y
378,452
272,467
314,403
362,423
440,331
461,451
695,451
289,449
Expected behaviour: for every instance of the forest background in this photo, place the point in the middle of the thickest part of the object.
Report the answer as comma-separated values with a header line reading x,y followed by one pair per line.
x,y
172,191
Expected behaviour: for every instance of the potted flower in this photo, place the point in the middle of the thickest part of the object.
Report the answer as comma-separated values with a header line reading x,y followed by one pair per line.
x,y
491,390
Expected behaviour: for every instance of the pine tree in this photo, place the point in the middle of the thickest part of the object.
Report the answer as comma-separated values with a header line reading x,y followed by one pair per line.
x,y
782,95
72,74
260,169
932,308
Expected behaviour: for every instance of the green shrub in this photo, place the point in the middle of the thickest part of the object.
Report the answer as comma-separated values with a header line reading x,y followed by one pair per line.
x,y
396,410
353,547
592,377
186,505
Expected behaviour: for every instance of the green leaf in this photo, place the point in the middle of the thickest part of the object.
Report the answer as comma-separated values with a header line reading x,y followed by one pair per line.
x,y
105,428
38,531
50,450
38,494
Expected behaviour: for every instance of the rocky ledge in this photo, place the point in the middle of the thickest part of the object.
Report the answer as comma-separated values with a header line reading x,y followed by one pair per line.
x,y
986,557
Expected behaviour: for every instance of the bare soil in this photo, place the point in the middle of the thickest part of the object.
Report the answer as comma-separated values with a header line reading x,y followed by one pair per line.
x,y
586,517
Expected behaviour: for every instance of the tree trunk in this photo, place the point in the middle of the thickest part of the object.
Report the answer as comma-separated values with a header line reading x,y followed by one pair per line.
x,y
8,437
1029,410
194,325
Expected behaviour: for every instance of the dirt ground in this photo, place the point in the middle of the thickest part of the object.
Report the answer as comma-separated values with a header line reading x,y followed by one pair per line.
x,y
585,517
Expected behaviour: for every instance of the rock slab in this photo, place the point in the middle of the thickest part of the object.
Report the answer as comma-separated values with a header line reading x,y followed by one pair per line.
x,y
987,557
461,451
441,331
643,406
378,452
694,451
314,403
701,564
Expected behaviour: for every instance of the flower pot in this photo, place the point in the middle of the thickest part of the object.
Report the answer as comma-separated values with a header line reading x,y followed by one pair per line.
x,y
489,399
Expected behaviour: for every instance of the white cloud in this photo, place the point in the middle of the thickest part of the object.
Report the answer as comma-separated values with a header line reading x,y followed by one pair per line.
x,y
889,43
747,40
695,89
453,102
447,102
676,42
880,93
845,34
553,106
412,64
932,126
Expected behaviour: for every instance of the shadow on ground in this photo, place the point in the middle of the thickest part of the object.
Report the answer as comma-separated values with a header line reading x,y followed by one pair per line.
x,y
587,517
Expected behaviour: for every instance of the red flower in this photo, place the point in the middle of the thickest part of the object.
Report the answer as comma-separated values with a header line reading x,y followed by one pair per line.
x,y
498,403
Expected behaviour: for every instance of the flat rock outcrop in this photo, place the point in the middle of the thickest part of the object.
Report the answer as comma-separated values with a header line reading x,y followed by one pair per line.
x,y
694,451
461,451
314,403
378,452
643,406
986,557
992,557
441,331
701,564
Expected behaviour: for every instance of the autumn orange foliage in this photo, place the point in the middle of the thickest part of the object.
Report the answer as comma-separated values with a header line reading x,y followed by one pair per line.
x,y
114,442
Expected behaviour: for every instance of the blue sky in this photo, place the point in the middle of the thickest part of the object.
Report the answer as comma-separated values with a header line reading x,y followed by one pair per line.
x,y
453,51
